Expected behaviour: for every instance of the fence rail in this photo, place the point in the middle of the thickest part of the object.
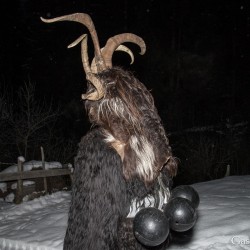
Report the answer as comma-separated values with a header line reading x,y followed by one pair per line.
x,y
21,175
33,174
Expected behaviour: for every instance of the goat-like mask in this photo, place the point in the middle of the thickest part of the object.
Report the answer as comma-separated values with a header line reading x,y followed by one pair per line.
x,y
122,107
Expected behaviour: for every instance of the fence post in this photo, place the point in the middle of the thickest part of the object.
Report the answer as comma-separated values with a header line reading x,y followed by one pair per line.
x,y
43,166
19,190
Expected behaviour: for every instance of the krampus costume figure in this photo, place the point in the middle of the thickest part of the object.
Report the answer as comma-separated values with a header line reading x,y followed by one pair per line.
x,y
124,162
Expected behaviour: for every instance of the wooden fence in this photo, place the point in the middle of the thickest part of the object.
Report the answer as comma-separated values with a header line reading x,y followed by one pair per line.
x,y
21,175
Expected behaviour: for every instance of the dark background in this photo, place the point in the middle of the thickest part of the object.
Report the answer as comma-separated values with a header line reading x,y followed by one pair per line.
x,y
196,65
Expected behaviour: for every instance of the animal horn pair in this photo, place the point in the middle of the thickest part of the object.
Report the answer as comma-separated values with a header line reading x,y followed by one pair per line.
x,y
103,58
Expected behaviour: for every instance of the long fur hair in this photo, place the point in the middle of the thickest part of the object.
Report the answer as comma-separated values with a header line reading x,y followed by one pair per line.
x,y
131,124
125,161
119,161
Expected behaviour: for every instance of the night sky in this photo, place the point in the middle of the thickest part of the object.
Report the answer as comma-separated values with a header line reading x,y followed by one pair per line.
x,y
197,67
197,62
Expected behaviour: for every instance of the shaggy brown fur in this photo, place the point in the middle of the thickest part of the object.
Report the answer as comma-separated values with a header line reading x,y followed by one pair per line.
x,y
125,159
129,119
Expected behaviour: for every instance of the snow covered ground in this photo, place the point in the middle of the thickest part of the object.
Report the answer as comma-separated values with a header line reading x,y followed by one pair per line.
x,y
224,219
224,216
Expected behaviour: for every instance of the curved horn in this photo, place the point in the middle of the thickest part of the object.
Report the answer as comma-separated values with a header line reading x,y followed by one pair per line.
x,y
114,42
86,20
84,54
120,48
128,51
99,93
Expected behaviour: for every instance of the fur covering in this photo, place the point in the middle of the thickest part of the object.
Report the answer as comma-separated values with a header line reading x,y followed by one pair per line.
x,y
101,199
125,162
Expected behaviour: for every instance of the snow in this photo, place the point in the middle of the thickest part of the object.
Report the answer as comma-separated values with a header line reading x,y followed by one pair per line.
x,y
223,223
223,214
21,159
25,183
3,186
35,225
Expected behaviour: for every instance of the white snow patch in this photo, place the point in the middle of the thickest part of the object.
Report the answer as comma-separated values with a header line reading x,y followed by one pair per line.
x,y
21,158
223,223
3,186
25,183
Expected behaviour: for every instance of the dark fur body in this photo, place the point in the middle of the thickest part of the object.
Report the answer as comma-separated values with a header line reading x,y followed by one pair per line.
x,y
125,162
97,203
118,161
101,199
